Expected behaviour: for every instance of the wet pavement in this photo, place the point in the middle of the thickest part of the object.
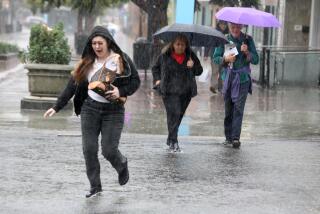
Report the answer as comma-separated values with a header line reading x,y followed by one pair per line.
x,y
43,172
276,170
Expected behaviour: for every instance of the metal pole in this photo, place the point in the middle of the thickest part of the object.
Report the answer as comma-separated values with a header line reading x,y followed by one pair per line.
x,y
283,63
262,67
319,74
268,68
275,71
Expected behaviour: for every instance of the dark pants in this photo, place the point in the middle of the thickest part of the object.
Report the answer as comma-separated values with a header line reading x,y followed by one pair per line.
x,y
176,106
234,112
107,119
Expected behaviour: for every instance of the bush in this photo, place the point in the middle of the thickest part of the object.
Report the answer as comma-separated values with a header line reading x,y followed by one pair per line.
x,y
48,46
6,48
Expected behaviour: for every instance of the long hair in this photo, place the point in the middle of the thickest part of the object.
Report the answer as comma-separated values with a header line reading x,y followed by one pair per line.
x,y
85,64
81,70
170,49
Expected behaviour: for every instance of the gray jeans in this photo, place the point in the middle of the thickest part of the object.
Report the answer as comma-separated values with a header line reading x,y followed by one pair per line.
x,y
107,119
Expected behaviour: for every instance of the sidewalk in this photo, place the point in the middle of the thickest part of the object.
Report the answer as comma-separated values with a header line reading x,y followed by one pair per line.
x,y
290,113
4,74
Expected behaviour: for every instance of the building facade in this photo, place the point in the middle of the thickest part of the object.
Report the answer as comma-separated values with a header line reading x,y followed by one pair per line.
x,y
9,16
300,22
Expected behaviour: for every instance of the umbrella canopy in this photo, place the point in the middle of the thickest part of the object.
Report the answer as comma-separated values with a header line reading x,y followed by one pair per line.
x,y
198,35
247,16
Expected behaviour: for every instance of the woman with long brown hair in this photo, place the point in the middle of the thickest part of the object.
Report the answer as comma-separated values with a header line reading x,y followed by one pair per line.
x,y
100,113
174,74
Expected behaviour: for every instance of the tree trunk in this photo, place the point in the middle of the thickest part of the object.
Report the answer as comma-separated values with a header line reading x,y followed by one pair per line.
x,y
157,18
90,20
80,22
157,14
84,23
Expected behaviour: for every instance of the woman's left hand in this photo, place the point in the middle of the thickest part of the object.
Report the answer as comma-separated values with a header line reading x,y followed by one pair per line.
x,y
244,48
113,94
190,63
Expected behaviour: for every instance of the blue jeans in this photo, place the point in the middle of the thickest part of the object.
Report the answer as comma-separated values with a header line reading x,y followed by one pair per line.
x,y
107,119
234,112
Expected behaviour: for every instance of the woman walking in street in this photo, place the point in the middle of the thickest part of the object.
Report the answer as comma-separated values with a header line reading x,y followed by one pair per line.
x,y
174,75
100,113
237,80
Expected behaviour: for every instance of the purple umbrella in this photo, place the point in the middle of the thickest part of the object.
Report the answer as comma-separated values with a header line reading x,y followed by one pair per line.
x,y
247,16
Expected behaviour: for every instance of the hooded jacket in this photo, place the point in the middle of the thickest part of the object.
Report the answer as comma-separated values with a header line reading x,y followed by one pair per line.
x,y
127,83
176,78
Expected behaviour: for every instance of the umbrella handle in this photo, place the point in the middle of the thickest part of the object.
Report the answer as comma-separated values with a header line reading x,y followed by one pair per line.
x,y
246,38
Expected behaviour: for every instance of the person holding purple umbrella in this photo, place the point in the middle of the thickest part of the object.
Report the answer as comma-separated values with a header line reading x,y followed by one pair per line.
x,y
237,80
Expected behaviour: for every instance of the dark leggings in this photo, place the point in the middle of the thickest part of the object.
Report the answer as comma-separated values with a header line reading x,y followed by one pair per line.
x,y
176,106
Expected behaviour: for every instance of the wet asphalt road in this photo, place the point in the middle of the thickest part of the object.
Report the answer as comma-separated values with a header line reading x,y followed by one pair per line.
x,y
276,170
43,172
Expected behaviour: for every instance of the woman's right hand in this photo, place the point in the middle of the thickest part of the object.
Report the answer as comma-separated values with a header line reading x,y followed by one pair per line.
x,y
49,113
157,82
230,58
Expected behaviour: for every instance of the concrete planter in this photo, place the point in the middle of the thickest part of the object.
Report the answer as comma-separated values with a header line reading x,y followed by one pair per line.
x,y
8,61
47,80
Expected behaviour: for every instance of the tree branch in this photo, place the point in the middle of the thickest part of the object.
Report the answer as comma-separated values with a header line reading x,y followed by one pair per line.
x,y
142,4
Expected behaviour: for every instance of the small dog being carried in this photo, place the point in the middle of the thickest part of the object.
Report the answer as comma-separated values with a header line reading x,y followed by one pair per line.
x,y
111,69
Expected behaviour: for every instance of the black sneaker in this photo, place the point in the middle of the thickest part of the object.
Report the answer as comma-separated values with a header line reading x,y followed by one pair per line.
x,y
171,146
227,142
94,192
236,144
123,176
176,147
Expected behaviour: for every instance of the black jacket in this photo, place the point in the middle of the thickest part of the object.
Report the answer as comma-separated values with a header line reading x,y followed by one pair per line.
x,y
176,78
127,83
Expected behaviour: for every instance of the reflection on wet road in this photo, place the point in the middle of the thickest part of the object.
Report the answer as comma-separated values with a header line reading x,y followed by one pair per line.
x,y
276,170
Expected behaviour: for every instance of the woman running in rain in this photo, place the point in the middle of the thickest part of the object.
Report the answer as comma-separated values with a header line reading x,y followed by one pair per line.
x,y
100,113
174,75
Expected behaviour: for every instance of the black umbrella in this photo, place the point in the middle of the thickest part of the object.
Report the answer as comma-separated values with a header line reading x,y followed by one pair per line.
x,y
198,35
